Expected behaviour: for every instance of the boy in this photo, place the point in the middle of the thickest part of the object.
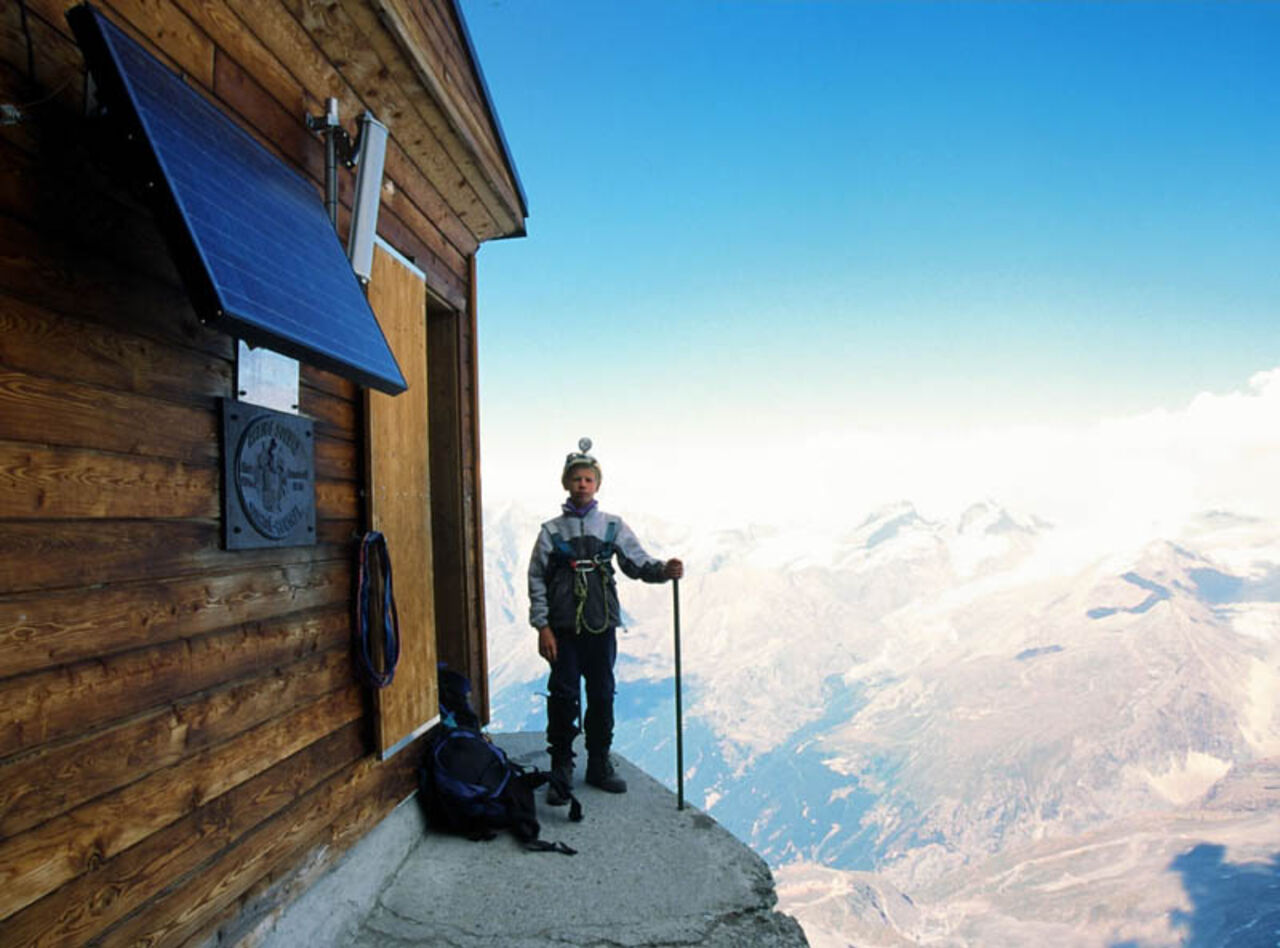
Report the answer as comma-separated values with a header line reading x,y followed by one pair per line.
x,y
573,603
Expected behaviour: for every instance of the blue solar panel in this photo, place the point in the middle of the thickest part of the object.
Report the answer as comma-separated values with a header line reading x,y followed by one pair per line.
x,y
249,235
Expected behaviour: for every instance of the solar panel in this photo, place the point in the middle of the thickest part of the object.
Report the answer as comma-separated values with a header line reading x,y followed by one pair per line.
x,y
250,236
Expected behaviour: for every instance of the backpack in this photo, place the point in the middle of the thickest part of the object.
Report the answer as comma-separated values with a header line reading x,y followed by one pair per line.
x,y
455,699
469,787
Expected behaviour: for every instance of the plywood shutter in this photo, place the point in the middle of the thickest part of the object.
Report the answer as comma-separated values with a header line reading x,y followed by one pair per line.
x,y
400,500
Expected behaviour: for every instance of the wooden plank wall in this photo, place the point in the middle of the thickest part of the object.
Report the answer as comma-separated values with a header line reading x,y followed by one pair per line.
x,y
180,726
436,56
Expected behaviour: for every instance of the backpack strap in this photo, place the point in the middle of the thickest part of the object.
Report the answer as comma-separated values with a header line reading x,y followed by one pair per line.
x,y
535,778
560,545
610,534
575,807
575,816
543,846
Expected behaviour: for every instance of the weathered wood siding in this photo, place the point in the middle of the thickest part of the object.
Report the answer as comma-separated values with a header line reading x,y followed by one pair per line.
x,y
401,501
180,726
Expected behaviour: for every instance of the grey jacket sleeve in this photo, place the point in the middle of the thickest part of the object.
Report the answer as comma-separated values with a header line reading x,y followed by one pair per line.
x,y
633,559
537,579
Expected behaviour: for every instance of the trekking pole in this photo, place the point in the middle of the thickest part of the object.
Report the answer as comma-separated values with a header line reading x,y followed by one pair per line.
x,y
675,599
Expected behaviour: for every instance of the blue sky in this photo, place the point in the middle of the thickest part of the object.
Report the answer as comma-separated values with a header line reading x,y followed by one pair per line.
x,y
760,221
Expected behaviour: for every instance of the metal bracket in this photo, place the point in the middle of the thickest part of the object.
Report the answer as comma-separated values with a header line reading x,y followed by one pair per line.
x,y
327,125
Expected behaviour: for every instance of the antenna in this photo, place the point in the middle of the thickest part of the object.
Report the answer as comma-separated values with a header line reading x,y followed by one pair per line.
x,y
371,153
367,155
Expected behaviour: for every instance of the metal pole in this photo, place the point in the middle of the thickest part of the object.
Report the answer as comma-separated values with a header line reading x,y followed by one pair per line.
x,y
675,598
331,161
327,125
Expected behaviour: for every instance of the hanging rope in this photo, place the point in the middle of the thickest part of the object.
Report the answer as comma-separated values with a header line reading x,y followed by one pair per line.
x,y
582,569
376,613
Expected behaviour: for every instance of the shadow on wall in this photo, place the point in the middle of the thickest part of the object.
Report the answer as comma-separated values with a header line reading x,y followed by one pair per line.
x,y
1233,905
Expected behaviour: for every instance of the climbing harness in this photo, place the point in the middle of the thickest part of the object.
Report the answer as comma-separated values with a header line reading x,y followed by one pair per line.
x,y
376,606
582,569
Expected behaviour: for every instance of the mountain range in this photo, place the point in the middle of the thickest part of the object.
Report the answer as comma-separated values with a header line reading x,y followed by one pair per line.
x,y
987,730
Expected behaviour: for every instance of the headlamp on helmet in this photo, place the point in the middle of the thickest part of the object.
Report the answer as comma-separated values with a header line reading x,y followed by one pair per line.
x,y
580,458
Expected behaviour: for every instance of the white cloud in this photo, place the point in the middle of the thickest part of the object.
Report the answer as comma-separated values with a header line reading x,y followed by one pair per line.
x,y
1119,478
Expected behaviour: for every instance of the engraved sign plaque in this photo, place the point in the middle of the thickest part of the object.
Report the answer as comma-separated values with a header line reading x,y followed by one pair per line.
x,y
269,480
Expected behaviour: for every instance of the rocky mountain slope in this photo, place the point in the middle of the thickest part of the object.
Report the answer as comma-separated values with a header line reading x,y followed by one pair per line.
x,y
975,732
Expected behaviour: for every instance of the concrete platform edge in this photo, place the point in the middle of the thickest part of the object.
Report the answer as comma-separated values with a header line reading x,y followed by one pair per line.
x,y
372,895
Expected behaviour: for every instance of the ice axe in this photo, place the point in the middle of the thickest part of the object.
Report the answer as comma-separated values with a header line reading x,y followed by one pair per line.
x,y
675,602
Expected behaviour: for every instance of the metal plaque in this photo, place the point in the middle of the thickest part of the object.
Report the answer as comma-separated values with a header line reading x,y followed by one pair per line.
x,y
268,477
266,378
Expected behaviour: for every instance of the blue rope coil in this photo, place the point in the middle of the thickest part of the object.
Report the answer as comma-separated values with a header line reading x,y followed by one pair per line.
x,y
376,613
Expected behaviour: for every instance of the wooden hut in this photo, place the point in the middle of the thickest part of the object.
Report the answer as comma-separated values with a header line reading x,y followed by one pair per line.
x,y
182,723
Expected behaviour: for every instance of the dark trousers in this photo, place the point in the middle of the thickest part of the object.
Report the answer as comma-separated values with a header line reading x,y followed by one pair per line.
x,y
581,657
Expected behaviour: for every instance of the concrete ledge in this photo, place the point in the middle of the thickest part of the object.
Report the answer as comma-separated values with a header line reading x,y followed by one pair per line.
x,y
646,874
332,909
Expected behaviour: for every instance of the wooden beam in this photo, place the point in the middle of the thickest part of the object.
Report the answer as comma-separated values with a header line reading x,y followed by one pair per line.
x,y
328,382
408,180
57,66
40,861
354,40
475,545
440,279
456,71
60,482
162,28
39,341
79,911
448,529
355,799
39,268
335,416
90,695
45,630
414,46
69,554
287,30
65,413
37,787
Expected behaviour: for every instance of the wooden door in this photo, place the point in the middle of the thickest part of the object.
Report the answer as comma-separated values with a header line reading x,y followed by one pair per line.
x,y
400,500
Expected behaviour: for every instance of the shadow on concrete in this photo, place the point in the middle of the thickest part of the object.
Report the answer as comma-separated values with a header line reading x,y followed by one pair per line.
x,y
1233,905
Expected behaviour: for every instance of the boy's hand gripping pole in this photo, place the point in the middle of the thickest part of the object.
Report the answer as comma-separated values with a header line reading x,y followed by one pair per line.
x,y
675,600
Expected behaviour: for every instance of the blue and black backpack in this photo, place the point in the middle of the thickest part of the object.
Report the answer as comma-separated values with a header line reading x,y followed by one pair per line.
x,y
468,786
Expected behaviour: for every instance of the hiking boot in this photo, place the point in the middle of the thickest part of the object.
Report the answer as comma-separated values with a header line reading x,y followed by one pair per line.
x,y
561,776
600,774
